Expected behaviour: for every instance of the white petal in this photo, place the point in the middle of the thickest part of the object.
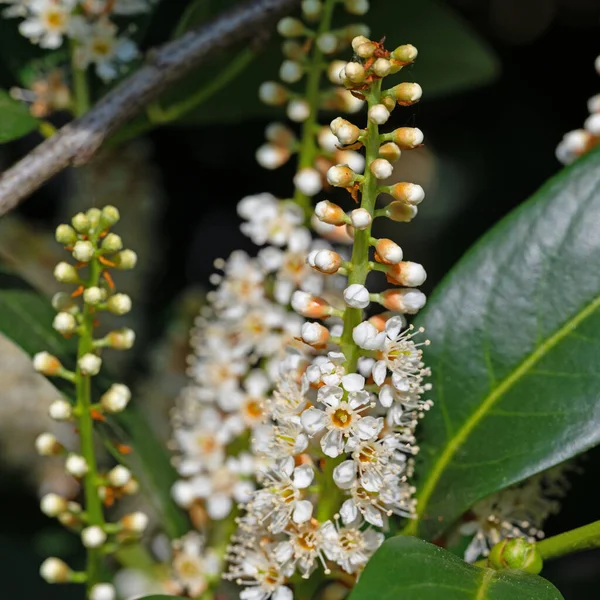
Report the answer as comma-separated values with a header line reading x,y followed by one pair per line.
x,y
371,481
400,382
386,396
349,512
330,395
284,551
373,516
313,420
283,593
353,382
332,443
303,511
219,506
287,466
303,476
358,399
379,372
369,427
300,443
393,327
345,474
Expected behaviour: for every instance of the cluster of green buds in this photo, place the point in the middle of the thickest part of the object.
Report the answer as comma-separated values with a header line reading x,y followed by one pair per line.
x,y
95,250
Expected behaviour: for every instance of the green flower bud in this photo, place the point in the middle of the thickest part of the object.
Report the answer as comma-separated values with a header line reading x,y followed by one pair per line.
x,y
112,242
94,295
80,222
126,259
66,273
93,216
109,217
405,54
516,553
66,235
63,302
119,304
83,251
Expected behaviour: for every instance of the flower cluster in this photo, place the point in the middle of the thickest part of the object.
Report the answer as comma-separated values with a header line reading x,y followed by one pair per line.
x,y
579,141
96,250
88,23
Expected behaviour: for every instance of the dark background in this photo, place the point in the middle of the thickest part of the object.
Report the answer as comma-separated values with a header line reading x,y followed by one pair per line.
x,y
490,149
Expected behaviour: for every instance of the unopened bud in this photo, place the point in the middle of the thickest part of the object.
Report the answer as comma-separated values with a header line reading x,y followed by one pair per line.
x,y
116,398
401,212
361,218
308,181
94,295
298,110
390,152
344,131
388,251
76,465
60,410
93,215
310,306
54,570
272,93
63,302
103,591
406,137
80,222
110,216
389,102
290,27
340,176
330,213
89,364
66,273
516,553
65,323
311,9
119,304
407,93
314,334
406,301
359,40
123,339
135,522
46,444
53,504
118,476
367,336
112,243
355,72
83,251
411,193
381,168
405,54
328,43
357,7
379,114
327,261
46,364
93,537
407,273
126,259
66,235
366,50
382,67
291,71
334,71
292,49
356,295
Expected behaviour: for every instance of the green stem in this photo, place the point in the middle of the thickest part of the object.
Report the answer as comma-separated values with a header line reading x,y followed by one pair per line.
x,y
360,250
93,503
315,68
81,90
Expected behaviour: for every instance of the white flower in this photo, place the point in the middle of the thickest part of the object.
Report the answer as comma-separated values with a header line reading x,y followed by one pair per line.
x,y
48,22
193,565
367,336
263,575
327,369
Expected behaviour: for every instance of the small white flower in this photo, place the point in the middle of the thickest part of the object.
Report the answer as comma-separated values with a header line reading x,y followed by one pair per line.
x,y
367,336
48,22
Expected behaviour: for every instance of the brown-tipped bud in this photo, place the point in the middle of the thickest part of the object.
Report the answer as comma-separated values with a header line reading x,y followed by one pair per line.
x,y
390,152
325,261
366,50
406,301
46,364
379,321
310,306
272,93
330,213
314,334
54,570
355,72
344,131
407,138
359,40
46,444
405,54
388,252
407,273
407,93
400,212
341,176
135,522
411,193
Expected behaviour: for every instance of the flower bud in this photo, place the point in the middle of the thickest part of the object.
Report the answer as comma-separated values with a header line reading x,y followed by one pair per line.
x,y
112,243
94,295
308,181
53,504
405,301
103,591
83,251
116,398
327,261
291,71
63,302
411,193
379,114
290,27
516,553
314,334
405,54
361,218
272,93
367,336
46,364
355,72
389,102
93,216
123,339
356,295
330,213
66,273
381,168
593,104
80,222
406,137
298,110
292,49
65,323
93,536
135,522
334,71
400,212
382,67
407,273
110,216
357,7
311,9
46,444
66,235
340,176
118,476
119,304
353,159
592,124
359,40
390,152
310,306
131,487
76,465
407,93
60,410
328,43
366,50
89,364
344,131
126,259
54,570
389,252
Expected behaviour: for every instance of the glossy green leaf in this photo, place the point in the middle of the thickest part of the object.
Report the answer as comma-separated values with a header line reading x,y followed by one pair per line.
x,y
408,568
15,118
515,351
26,319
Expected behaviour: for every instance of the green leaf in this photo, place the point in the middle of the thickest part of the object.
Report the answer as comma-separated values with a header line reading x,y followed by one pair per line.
x,y
26,318
515,341
15,118
408,568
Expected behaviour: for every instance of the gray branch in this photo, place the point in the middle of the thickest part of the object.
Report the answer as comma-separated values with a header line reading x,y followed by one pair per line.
x,y
78,141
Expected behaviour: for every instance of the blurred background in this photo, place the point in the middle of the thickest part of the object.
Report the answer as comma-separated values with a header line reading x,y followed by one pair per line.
x,y
503,81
